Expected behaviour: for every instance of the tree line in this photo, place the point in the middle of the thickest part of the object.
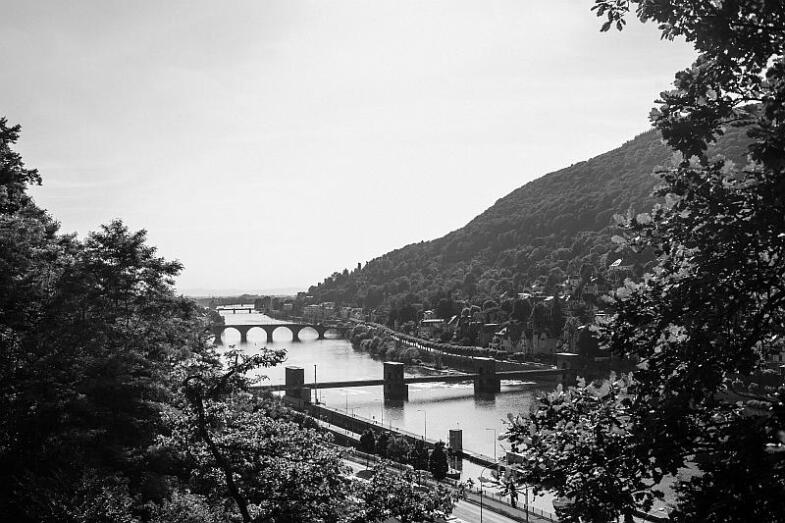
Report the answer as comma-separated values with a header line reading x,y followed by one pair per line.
x,y
116,406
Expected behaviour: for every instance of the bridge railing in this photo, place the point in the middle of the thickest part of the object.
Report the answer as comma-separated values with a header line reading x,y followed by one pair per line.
x,y
474,495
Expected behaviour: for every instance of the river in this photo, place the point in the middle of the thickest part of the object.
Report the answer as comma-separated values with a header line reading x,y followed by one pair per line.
x,y
433,408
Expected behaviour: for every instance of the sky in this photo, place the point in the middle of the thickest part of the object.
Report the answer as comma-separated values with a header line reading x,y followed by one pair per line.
x,y
266,144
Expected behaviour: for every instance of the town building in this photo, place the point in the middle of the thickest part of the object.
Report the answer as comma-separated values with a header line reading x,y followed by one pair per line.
x,y
431,328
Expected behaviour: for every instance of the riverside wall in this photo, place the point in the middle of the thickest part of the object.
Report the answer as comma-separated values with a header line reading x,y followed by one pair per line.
x,y
358,425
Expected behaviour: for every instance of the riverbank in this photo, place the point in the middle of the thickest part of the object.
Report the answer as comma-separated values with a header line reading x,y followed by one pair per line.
x,y
389,345
479,495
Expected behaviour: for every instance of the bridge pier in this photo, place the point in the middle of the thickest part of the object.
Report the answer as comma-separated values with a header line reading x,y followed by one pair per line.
x,y
320,330
570,363
295,390
395,389
295,332
243,335
218,331
486,382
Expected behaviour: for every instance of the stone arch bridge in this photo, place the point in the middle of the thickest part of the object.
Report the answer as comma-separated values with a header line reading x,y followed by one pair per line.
x,y
269,328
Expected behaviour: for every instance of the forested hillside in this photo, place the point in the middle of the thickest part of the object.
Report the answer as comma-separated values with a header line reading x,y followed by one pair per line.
x,y
538,234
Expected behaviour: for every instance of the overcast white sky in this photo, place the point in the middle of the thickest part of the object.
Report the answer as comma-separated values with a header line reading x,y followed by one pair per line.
x,y
266,144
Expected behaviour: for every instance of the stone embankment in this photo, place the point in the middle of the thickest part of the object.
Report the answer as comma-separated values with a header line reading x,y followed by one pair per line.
x,y
458,357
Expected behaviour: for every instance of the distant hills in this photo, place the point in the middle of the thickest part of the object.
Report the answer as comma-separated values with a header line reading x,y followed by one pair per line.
x,y
538,234
207,293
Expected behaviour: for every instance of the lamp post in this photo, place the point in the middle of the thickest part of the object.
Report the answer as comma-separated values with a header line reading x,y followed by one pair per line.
x,y
425,427
480,478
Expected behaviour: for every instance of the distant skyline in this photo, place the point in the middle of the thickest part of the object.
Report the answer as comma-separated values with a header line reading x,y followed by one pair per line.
x,y
267,144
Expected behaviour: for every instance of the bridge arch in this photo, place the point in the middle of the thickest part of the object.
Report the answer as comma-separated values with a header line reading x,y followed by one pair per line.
x,y
271,329
308,332
334,332
219,332
255,331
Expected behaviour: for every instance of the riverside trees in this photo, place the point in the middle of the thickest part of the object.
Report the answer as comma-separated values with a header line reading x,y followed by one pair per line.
x,y
438,463
704,322
115,406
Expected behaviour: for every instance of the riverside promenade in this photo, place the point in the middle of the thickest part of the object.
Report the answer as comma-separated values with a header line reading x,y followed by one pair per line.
x,y
485,499
480,496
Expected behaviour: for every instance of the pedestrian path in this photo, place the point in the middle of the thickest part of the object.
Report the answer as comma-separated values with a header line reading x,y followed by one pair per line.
x,y
494,504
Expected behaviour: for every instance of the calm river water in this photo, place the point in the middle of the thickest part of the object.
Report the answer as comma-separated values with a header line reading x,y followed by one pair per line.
x,y
434,408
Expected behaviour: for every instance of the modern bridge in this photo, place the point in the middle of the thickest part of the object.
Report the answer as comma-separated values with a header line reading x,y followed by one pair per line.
x,y
243,308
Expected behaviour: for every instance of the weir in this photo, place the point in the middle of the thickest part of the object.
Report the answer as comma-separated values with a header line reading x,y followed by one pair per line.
x,y
395,384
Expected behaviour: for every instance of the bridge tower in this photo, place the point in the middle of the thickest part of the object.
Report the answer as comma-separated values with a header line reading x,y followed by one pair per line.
x,y
486,382
456,449
296,391
395,389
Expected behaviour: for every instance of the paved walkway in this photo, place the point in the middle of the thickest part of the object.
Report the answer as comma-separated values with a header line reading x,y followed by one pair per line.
x,y
467,512
512,513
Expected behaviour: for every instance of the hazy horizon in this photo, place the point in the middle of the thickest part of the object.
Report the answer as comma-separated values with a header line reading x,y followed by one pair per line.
x,y
268,144
207,292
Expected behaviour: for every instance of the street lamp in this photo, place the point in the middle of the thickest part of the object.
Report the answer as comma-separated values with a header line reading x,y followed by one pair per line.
x,y
425,431
480,478
494,443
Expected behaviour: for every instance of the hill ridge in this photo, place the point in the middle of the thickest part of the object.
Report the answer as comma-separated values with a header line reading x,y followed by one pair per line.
x,y
537,234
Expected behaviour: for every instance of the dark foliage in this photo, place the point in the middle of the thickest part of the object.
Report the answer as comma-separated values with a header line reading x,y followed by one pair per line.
x,y
705,321
438,463
115,406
